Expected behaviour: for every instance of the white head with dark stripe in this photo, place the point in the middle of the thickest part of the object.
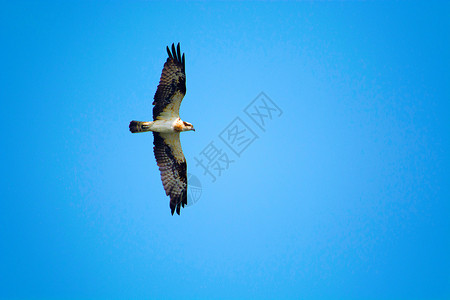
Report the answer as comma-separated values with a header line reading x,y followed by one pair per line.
x,y
188,126
181,125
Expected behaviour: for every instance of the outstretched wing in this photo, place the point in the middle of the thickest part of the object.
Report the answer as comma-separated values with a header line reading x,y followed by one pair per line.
x,y
172,165
172,86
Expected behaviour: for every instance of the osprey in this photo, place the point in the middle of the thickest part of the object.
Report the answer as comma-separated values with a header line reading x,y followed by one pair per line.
x,y
166,127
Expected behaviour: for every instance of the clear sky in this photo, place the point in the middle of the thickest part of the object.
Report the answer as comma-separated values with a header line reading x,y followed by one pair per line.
x,y
343,193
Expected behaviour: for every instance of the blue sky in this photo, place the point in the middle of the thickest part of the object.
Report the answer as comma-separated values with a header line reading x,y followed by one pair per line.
x,y
343,195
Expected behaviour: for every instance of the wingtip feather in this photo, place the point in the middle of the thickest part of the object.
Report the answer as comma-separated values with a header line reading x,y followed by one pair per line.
x,y
174,52
177,203
168,52
175,207
179,52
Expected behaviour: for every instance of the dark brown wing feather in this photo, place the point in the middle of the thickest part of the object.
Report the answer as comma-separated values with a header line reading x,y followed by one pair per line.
x,y
172,165
172,84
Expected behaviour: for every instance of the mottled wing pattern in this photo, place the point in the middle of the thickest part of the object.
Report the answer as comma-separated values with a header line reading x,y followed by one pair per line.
x,y
172,85
172,165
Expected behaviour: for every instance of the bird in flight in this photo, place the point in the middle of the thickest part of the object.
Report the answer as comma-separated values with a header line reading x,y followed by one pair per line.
x,y
166,127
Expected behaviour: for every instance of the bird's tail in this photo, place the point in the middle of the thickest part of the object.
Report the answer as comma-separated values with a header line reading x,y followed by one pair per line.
x,y
137,126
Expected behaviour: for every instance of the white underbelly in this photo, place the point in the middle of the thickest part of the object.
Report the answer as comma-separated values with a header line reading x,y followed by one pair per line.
x,y
163,126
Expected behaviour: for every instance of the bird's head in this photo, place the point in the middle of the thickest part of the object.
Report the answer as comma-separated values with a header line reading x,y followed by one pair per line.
x,y
188,126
